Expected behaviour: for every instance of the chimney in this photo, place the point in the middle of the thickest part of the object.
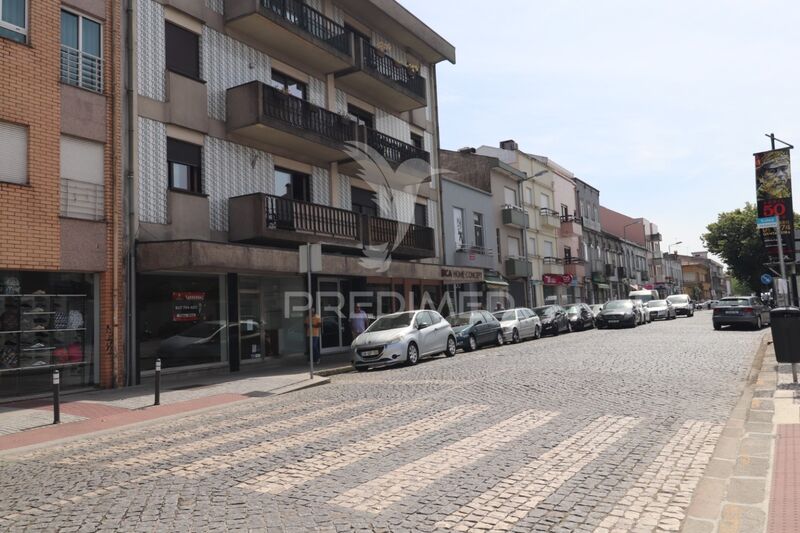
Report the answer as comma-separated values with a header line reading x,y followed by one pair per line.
x,y
466,150
509,145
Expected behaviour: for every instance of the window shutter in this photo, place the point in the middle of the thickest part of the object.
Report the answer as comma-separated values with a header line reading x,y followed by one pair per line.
x,y
81,178
13,153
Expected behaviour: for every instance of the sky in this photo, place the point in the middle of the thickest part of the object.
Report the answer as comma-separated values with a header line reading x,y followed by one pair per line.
x,y
659,105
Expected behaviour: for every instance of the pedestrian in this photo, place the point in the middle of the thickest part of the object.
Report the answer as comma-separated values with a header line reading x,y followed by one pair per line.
x,y
358,321
498,307
316,323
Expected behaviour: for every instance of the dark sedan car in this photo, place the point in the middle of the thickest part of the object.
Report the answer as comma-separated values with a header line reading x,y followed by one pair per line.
x,y
476,328
554,319
741,311
617,313
580,317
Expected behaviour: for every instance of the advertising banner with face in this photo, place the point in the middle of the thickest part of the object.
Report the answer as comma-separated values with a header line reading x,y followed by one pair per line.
x,y
774,198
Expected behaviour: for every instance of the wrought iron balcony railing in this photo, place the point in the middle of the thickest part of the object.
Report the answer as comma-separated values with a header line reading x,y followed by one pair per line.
x,y
379,62
394,150
292,215
312,22
302,114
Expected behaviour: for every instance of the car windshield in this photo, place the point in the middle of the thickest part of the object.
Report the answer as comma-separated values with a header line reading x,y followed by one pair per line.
x,y
644,298
678,299
202,330
385,323
463,319
545,311
573,310
618,304
657,303
504,316
735,301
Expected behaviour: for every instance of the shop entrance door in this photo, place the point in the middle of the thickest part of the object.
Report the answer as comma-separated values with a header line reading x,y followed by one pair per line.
x,y
250,326
332,302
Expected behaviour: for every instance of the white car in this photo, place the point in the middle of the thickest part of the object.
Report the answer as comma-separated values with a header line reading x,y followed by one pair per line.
x,y
403,338
520,323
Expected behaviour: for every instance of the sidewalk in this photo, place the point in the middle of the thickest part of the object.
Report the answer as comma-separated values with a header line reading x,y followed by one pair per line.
x,y
30,422
752,483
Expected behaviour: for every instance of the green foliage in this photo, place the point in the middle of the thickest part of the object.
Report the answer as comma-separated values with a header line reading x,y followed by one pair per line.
x,y
735,239
739,288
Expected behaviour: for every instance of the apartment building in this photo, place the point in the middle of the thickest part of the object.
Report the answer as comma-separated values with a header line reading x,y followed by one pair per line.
x,y
672,281
61,294
544,223
641,232
703,277
263,125
587,199
507,267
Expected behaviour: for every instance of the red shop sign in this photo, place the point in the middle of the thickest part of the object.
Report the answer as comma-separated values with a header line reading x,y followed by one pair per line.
x,y
557,279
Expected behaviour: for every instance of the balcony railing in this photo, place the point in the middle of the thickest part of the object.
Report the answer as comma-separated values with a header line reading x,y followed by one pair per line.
x,y
514,215
380,63
574,261
571,218
547,212
292,215
304,115
393,150
413,240
551,260
472,249
311,21
81,69
517,267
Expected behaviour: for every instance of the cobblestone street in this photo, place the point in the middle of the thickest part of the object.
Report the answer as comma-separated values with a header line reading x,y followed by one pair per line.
x,y
595,431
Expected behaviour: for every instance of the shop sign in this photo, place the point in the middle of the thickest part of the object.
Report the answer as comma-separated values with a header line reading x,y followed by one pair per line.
x,y
557,279
649,287
461,275
774,199
188,306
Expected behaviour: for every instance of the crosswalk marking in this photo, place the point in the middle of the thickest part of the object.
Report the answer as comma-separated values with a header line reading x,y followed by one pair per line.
x,y
510,500
678,468
292,475
223,461
169,453
382,492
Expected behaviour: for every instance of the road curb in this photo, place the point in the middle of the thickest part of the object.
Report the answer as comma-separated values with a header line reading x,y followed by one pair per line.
x,y
335,371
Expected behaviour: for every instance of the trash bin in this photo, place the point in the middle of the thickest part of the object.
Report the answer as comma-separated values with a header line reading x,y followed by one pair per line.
x,y
785,325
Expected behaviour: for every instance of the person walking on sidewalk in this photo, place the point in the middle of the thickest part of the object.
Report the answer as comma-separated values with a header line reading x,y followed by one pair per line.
x,y
316,323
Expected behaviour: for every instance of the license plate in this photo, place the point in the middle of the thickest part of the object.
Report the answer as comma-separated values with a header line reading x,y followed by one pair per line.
x,y
731,312
370,353
613,321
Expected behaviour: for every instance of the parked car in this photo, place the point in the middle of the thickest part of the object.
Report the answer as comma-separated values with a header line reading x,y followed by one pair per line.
x,y
644,296
520,323
474,329
403,338
617,313
682,304
741,310
554,319
641,313
580,317
661,310
596,308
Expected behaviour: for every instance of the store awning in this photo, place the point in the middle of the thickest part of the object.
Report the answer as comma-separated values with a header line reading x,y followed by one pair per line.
x,y
602,286
495,281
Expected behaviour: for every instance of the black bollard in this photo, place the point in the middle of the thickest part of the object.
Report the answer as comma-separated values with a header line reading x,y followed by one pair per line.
x,y
158,382
56,398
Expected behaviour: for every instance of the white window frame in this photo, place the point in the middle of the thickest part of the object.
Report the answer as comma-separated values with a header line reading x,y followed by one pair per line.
x,y
17,29
544,199
80,47
459,239
517,245
25,155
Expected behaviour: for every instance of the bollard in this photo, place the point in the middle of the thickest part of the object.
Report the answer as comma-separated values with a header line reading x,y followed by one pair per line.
x,y
56,399
794,372
158,382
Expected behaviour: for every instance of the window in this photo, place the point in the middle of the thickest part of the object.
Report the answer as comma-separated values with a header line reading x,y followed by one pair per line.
x,y
596,215
185,167
458,226
417,141
81,52
183,51
362,117
421,215
292,185
13,153
510,196
528,196
532,246
567,253
14,20
290,85
513,247
544,200
564,210
548,249
81,179
477,224
363,202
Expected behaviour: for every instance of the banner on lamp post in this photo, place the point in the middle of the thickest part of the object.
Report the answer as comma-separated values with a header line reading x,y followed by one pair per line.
x,y
774,199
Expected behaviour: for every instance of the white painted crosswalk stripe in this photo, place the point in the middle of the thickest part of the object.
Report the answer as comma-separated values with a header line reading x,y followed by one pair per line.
x,y
292,475
381,493
510,500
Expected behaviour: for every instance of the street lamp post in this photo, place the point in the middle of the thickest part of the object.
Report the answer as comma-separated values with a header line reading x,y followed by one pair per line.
x,y
669,248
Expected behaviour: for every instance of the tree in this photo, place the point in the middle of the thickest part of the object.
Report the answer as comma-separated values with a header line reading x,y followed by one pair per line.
x,y
739,288
735,239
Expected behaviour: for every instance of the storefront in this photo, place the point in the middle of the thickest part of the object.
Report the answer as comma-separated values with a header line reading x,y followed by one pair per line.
x,y
48,321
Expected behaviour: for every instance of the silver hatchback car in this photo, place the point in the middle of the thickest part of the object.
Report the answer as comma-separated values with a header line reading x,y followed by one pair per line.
x,y
403,338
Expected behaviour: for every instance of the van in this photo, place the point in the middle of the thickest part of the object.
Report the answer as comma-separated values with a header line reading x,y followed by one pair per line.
x,y
644,296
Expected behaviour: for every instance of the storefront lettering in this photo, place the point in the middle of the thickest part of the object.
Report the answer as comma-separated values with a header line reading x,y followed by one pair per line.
x,y
467,275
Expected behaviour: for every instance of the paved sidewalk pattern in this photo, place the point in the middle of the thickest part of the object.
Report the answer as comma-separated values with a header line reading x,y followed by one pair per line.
x,y
784,515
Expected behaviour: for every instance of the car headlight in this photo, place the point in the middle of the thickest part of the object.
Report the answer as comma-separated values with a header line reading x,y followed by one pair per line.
x,y
396,339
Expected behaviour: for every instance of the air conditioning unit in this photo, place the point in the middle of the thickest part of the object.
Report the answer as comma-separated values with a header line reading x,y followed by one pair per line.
x,y
509,145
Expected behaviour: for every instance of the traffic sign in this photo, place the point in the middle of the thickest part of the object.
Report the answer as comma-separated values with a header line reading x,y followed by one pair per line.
x,y
767,222
766,279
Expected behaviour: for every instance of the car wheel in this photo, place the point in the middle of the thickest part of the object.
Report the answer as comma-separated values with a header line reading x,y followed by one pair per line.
x,y
472,344
412,354
499,341
515,336
717,327
537,333
451,347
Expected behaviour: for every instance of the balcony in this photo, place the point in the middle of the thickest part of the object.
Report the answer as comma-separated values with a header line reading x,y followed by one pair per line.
x,y
575,266
393,150
551,218
517,267
412,241
262,113
382,80
268,219
293,31
571,226
654,237
514,216
474,256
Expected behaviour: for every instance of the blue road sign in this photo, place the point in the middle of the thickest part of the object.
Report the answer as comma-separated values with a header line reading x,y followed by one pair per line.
x,y
766,279
767,222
